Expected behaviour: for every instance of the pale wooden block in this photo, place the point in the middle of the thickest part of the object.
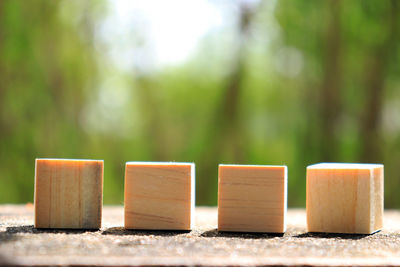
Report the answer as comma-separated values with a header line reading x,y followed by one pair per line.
x,y
252,198
345,198
68,193
159,195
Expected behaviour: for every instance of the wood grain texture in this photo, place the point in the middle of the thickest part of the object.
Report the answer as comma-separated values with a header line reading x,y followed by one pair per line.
x,y
159,195
68,193
345,198
252,198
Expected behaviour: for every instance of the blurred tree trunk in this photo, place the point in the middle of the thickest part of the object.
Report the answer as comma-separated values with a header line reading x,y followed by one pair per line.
x,y
2,74
227,122
330,91
225,142
374,84
154,129
5,131
228,129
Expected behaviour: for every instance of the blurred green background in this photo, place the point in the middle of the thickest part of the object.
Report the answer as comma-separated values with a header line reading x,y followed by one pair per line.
x,y
260,82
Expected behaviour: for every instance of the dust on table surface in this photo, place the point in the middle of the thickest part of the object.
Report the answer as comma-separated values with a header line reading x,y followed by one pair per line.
x,y
22,244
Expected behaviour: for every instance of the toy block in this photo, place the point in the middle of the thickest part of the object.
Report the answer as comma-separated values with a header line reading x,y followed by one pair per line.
x,y
252,198
159,195
68,193
345,198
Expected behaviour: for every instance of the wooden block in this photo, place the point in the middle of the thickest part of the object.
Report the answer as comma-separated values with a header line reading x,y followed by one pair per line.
x,y
68,193
345,198
252,198
159,195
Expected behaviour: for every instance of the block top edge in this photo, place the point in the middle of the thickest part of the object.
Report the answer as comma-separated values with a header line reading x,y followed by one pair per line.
x,y
56,159
159,163
252,166
333,165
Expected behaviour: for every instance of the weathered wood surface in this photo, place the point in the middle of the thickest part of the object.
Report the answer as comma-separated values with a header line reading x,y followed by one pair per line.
x,y
21,244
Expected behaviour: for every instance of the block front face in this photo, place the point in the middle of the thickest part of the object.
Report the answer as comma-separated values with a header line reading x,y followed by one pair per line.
x,y
68,193
252,198
159,196
344,198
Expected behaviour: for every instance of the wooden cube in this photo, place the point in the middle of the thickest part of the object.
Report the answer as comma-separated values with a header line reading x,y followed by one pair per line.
x,y
159,195
252,198
68,193
345,198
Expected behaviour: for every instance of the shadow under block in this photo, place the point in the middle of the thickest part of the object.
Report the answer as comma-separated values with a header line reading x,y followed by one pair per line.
x,y
159,195
345,198
252,198
68,193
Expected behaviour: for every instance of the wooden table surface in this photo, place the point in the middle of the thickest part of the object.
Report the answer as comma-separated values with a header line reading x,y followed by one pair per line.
x,y
21,244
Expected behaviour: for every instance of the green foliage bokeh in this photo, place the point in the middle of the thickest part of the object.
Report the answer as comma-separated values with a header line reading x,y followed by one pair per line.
x,y
323,87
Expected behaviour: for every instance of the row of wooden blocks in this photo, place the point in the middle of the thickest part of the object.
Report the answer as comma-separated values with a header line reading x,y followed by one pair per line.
x,y
341,197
